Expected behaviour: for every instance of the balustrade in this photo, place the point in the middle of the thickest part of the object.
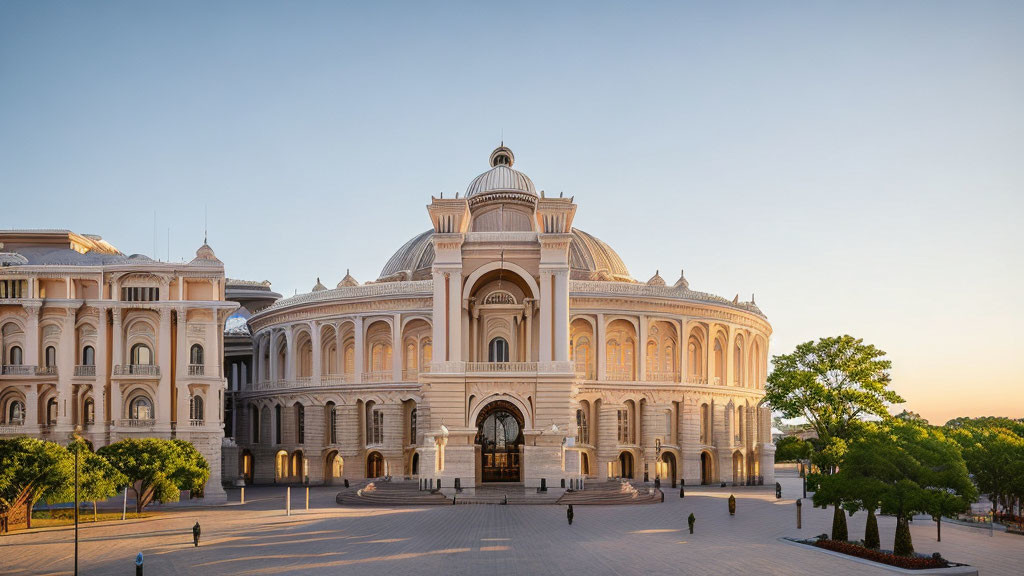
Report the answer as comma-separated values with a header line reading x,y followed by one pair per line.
x,y
662,376
195,423
136,422
196,369
46,371
617,374
85,370
501,367
18,370
378,376
136,370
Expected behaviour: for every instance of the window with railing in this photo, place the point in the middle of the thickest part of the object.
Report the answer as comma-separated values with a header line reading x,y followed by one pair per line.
x,y
412,426
196,409
89,412
51,356
497,350
16,356
333,416
141,355
625,429
51,412
375,434
582,429
88,356
13,289
140,408
16,413
140,294
300,423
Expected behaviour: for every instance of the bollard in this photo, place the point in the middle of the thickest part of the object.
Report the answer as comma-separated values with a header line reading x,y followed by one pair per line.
x,y
732,505
563,482
543,484
288,501
307,497
799,505
138,565
346,482
778,491
682,494
243,495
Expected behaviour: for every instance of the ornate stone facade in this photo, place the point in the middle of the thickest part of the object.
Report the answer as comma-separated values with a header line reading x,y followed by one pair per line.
x,y
504,345
120,346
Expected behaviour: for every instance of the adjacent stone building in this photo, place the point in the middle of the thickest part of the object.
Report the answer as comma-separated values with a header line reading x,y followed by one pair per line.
x,y
505,345
121,346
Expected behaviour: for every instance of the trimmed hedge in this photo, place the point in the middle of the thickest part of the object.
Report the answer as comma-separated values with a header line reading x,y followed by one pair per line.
x,y
908,562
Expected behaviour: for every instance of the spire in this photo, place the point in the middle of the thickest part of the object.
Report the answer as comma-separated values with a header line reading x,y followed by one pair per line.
x,y
656,280
319,287
682,282
348,281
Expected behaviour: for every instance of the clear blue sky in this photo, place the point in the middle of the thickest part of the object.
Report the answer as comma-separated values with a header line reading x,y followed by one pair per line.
x,y
860,166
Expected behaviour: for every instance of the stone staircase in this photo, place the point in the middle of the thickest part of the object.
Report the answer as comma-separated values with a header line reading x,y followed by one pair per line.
x,y
612,492
389,494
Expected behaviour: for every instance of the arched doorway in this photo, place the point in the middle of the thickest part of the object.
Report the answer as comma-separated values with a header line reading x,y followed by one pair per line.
x,y
500,434
737,468
374,465
667,467
247,467
584,464
415,464
626,464
705,468
335,467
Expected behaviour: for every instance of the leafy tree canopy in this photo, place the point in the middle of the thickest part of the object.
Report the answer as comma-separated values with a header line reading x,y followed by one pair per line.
x,y
97,479
792,449
994,453
833,383
32,469
158,469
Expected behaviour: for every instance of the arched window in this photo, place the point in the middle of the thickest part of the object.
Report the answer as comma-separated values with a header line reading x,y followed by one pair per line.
x,y
16,356
300,423
141,355
625,428
332,415
88,356
281,465
497,350
705,422
140,408
89,411
412,426
195,408
350,359
51,411
51,356
581,354
254,424
410,357
16,412
582,429
277,424
195,355
652,356
428,354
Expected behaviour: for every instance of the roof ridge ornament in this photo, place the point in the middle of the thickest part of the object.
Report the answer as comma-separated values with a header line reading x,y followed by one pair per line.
x,y
502,156
682,282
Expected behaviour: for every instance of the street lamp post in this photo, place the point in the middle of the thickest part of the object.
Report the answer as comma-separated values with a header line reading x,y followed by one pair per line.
x,y
77,440
657,461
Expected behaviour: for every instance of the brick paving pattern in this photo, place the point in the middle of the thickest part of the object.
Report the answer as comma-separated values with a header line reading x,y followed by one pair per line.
x,y
257,538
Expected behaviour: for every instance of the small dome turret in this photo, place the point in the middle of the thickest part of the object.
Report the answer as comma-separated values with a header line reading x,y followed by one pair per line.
x,y
501,177
348,281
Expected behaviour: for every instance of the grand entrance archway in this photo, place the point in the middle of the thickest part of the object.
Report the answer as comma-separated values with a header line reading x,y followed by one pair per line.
x,y
500,434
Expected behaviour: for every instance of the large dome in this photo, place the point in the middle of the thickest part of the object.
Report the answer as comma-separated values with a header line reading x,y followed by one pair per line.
x,y
501,177
589,259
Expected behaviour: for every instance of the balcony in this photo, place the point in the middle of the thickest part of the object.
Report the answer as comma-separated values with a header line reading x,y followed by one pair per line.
x,y
501,367
136,422
196,369
662,376
85,370
46,371
410,375
136,370
695,380
18,370
15,428
196,423
379,376
335,379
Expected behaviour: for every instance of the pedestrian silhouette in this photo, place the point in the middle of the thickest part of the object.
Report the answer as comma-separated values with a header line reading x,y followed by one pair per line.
x,y
195,533
569,514
690,521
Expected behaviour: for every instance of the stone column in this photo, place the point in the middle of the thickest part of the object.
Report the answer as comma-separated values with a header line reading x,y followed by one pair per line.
x,y
272,353
65,360
99,394
602,354
163,400
730,353
182,377
397,347
117,354
710,353
641,352
455,317
683,350
289,353
529,332
32,335
561,311
317,368
32,408
440,321
546,316
359,352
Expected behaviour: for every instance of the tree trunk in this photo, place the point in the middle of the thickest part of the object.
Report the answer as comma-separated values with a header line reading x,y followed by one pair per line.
x,y
938,528
94,518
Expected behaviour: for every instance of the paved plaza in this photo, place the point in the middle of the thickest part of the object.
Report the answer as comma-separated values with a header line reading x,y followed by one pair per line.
x,y
257,538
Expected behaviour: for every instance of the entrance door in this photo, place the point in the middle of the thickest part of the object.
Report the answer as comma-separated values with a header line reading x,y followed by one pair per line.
x,y
626,464
705,468
500,434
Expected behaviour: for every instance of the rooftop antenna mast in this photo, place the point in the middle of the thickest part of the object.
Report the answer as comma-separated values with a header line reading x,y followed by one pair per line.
x,y
206,223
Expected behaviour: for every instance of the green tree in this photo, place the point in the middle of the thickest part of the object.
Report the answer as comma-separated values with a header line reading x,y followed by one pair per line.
x,y
33,469
833,383
97,479
792,449
904,469
994,452
157,470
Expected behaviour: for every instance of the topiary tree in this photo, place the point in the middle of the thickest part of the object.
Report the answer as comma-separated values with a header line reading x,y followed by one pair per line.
x,y
839,531
157,470
871,539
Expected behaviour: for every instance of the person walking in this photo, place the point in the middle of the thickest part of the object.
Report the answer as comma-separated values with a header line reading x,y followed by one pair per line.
x,y
691,521
569,514
195,533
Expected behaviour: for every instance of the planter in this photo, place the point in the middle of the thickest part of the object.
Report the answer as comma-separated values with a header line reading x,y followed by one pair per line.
x,y
953,569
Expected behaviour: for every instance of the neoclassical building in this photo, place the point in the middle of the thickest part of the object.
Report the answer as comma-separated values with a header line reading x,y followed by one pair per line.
x,y
121,346
505,345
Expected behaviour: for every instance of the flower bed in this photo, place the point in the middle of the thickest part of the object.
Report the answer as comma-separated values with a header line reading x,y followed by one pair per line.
x,y
883,557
